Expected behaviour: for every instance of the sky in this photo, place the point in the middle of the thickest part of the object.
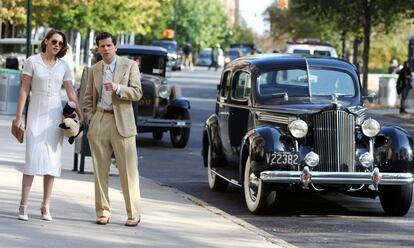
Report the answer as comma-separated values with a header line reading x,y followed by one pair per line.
x,y
252,11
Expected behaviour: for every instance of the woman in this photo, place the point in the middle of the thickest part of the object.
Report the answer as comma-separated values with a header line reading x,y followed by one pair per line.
x,y
44,74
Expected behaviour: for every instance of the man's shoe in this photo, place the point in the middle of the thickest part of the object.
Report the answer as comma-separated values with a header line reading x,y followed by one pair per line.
x,y
103,220
132,222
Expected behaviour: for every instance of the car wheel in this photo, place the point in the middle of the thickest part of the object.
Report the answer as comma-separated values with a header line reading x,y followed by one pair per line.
x,y
215,182
180,135
257,197
156,135
396,199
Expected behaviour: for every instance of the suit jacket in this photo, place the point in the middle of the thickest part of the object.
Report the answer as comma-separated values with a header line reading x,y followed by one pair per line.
x,y
127,75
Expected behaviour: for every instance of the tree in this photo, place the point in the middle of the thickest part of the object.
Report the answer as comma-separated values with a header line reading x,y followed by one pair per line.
x,y
356,19
288,24
202,23
13,14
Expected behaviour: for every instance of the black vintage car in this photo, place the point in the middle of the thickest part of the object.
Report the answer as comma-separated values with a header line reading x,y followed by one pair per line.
x,y
287,122
160,109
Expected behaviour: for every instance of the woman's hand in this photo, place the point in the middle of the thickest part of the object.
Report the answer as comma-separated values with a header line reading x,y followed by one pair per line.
x,y
18,121
81,120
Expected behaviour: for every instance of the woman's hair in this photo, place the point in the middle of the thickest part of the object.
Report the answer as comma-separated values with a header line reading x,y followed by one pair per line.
x,y
64,47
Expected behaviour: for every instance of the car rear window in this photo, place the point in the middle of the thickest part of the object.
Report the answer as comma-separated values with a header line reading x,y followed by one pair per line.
x,y
322,53
148,64
301,51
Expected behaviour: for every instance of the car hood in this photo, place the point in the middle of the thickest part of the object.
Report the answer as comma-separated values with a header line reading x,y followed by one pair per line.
x,y
306,108
152,79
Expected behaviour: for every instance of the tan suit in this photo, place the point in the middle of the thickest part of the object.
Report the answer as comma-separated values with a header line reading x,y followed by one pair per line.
x,y
114,133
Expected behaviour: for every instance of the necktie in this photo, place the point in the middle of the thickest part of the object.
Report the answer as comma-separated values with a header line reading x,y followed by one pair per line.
x,y
108,77
108,74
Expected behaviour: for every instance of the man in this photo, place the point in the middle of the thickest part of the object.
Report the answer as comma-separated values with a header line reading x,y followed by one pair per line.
x,y
404,85
112,85
188,56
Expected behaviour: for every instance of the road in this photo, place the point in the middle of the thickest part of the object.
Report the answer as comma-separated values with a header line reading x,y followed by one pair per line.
x,y
302,219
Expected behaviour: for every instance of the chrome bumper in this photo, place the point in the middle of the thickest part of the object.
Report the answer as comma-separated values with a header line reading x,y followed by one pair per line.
x,y
168,123
306,177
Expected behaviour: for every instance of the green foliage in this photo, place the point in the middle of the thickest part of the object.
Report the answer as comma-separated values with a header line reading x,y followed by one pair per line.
x,y
13,12
240,34
202,23
350,19
386,46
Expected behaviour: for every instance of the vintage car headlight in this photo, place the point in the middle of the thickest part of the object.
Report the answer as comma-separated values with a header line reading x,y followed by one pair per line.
x,y
298,128
312,159
366,160
370,128
227,60
164,91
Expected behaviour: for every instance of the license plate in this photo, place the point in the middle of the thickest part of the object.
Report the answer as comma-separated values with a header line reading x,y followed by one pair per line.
x,y
144,102
282,158
180,123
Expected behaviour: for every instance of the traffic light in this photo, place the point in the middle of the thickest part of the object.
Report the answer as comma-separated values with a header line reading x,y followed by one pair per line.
x,y
168,34
283,4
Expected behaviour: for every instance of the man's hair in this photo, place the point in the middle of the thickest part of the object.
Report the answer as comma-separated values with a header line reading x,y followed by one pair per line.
x,y
104,36
63,49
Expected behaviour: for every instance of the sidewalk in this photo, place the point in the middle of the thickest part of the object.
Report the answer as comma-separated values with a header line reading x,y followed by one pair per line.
x,y
170,218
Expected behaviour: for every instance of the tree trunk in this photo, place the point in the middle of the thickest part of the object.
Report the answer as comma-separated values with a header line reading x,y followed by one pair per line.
x,y
343,46
367,32
355,53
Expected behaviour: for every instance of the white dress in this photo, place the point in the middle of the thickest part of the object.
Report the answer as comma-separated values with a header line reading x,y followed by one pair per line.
x,y
43,135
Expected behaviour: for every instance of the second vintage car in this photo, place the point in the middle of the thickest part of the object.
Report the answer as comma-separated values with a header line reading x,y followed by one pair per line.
x,y
160,109
285,122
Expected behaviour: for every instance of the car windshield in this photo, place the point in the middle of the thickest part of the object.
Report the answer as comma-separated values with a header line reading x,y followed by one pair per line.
x,y
295,83
170,46
204,55
148,64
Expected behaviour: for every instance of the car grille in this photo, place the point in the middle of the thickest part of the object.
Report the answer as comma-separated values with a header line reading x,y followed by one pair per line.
x,y
334,140
147,104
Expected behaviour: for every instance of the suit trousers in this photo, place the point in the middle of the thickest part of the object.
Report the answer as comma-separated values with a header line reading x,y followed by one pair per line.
x,y
104,140
404,95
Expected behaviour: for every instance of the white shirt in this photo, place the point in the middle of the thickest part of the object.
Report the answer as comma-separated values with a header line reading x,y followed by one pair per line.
x,y
105,102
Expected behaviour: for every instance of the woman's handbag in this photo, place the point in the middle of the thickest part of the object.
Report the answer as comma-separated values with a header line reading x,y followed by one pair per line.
x,y
17,131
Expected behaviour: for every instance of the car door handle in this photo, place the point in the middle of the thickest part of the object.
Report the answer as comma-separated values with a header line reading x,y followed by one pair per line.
x,y
224,113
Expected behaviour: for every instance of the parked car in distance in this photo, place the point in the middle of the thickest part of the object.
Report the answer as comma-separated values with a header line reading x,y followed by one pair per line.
x,y
174,53
246,49
287,122
13,52
232,54
312,47
204,58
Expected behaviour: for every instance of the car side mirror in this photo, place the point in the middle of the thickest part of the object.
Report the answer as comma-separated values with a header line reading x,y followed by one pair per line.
x,y
371,97
218,86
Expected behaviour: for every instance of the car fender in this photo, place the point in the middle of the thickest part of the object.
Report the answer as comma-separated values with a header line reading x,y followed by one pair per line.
x,y
175,106
211,135
257,142
179,103
394,150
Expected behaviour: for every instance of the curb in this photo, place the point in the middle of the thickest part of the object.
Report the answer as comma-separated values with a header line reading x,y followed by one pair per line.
x,y
265,235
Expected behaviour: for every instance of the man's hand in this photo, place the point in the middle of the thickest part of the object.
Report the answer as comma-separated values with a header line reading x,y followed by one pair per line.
x,y
110,86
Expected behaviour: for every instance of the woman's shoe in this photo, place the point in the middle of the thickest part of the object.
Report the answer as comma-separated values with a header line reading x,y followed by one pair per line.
x,y
45,213
23,213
